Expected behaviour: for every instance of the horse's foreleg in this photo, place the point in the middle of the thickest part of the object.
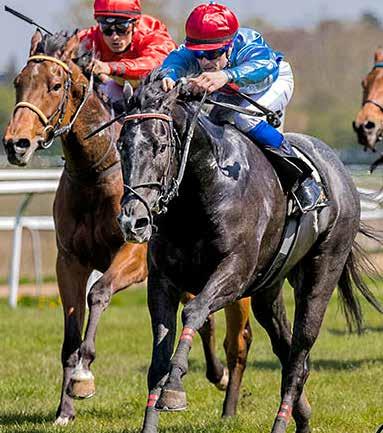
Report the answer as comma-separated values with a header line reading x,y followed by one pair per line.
x,y
163,305
216,373
128,267
72,279
237,344
217,293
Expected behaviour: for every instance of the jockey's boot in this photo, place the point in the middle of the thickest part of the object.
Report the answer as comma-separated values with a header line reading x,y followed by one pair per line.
x,y
294,172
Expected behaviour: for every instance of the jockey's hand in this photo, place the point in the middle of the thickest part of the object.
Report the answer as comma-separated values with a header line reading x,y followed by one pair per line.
x,y
168,84
100,68
210,81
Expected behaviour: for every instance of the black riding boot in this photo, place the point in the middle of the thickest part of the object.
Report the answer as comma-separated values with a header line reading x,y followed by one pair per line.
x,y
296,176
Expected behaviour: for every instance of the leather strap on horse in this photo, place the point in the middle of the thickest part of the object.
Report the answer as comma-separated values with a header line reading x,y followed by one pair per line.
x,y
376,103
51,59
272,117
53,131
42,116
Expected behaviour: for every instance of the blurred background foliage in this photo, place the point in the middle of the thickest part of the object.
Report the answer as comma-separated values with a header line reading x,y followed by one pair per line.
x,y
329,62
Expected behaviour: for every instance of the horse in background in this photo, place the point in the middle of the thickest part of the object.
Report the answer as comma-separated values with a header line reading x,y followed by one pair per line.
x,y
214,214
56,98
368,124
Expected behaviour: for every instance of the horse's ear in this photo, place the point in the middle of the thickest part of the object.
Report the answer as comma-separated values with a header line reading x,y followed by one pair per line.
x,y
35,42
71,48
378,55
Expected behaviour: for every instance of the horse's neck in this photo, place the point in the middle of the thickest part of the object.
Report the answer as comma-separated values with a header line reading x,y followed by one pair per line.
x,y
99,152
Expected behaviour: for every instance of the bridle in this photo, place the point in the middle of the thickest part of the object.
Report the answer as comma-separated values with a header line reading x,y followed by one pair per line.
x,y
373,101
168,188
52,131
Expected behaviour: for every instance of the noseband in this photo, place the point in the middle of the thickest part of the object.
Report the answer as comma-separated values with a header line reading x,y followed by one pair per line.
x,y
167,190
372,101
53,131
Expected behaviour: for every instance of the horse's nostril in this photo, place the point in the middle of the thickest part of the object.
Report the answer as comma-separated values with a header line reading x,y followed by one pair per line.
x,y
369,125
23,143
141,223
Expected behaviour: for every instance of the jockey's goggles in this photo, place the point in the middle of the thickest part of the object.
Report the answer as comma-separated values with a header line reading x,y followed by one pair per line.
x,y
211,54
121,28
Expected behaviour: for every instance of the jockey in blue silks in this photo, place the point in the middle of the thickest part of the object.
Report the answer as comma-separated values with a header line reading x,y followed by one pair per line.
x,y
218,53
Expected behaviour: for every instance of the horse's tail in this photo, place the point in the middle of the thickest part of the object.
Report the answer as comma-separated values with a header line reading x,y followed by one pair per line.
x,y
358,267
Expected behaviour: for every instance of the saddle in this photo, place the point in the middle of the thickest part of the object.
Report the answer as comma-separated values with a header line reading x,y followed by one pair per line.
x,y
301,230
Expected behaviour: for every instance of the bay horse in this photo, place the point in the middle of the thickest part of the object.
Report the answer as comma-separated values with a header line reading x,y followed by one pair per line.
x,y
368,124
220,231
53,92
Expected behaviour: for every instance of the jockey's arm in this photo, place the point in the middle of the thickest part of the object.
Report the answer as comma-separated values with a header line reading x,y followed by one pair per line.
x,y
151,56
179,63
255,62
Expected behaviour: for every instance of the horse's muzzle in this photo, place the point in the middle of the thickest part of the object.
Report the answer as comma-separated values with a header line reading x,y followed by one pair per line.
x,y
19,151
369,133
136,230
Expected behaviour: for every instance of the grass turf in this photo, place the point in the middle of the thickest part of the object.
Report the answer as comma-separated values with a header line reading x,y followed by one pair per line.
x,y
344,388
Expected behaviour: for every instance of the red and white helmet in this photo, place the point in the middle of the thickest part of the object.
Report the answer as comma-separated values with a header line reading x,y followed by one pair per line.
x,y
210,26
129,9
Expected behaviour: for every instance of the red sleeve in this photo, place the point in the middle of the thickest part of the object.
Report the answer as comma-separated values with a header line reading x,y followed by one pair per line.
x,y
88,36
152,49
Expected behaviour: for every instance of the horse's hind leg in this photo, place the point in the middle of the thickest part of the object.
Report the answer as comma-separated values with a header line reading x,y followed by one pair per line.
x,y
318,279
128,267
72,279
237,345
269,310
216,373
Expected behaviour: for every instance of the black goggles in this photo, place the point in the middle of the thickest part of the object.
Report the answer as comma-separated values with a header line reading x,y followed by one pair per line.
x,y
121,28
210,54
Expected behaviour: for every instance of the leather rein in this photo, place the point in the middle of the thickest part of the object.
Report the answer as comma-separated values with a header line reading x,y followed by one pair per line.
x,y
51,131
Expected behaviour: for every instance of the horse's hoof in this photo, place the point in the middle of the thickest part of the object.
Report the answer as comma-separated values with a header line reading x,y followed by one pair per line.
x,y
224,381
280,425
150,429
63,421
171,401
81,385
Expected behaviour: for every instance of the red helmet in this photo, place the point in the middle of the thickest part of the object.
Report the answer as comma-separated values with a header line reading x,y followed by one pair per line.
x,y
210,26
117,8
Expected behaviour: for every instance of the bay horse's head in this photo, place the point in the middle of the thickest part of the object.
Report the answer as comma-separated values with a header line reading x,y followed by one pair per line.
x,y
44,89
368,124
149,148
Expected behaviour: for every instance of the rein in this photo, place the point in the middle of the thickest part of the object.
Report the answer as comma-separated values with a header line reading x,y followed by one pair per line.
x,y
170,190
52,131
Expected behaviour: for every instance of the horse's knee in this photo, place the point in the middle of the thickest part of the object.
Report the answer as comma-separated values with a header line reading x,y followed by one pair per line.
x,y
194,315
100,294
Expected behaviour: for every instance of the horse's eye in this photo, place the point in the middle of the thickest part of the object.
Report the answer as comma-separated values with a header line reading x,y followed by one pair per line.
x,y
56,87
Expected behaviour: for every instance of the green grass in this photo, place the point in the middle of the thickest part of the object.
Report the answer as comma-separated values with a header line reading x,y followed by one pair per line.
x,y
344,388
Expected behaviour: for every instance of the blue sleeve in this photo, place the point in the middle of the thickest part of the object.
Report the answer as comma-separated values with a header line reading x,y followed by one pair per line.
x,y
254,61
180,63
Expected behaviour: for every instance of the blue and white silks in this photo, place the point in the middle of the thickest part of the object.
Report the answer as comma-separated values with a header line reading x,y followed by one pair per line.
x,y
257,69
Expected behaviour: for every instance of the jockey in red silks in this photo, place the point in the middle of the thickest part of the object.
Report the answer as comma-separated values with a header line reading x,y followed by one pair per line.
x,y
218,52
128,44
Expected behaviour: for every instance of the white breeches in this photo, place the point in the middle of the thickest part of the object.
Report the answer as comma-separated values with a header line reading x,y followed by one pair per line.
x,y
275,98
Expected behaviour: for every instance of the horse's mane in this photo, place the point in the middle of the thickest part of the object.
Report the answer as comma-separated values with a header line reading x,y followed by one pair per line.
x,y
51,44
150,94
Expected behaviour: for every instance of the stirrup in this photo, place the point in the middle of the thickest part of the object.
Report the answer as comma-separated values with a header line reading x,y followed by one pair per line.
x,y
308,195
